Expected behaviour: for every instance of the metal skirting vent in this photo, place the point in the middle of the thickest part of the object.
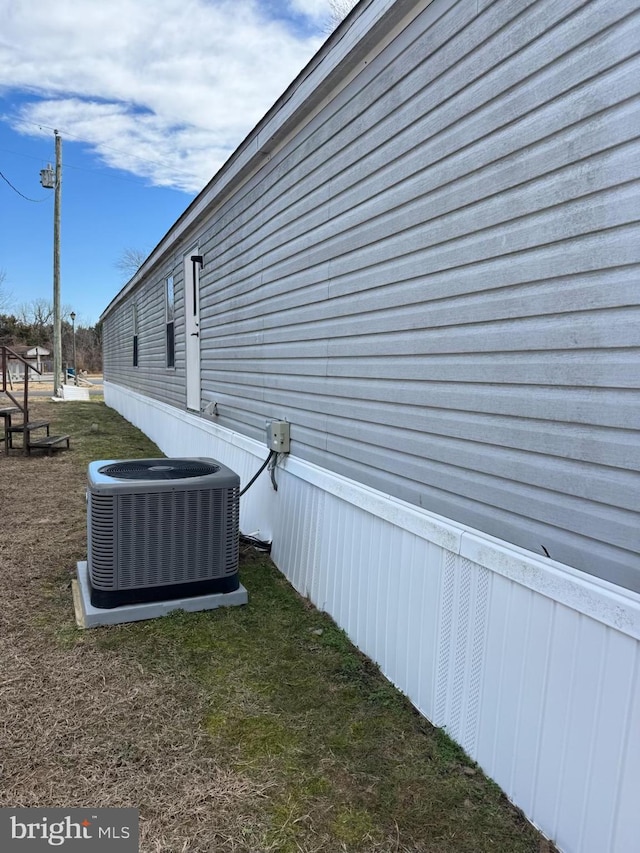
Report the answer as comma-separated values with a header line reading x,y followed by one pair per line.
x,y
160,523
464,606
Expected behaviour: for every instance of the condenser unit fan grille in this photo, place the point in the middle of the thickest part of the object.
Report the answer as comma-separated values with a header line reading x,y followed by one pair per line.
x,y
159,469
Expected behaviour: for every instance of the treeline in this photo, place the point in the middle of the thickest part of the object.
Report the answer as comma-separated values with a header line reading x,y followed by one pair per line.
x,y
32,325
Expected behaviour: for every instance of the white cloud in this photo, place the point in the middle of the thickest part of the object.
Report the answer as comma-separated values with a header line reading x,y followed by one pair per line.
x,y
164,90
146,144
315,9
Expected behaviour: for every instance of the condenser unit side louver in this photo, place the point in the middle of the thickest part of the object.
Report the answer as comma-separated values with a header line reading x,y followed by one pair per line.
x,y
161,529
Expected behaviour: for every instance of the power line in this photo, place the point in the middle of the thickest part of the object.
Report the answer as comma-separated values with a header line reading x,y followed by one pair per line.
x,y
66,133
26,156
26,198
101,171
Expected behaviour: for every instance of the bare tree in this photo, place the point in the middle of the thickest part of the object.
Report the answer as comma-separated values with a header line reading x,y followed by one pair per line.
x,y
89,348
338,11
37,316
6,297
38,312
130,261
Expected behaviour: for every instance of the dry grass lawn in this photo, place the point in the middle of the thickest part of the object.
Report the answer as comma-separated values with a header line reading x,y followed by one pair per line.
x,y
253,729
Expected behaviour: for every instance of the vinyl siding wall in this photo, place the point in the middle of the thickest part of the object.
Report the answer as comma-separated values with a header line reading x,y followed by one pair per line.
x,y
436,280
152,376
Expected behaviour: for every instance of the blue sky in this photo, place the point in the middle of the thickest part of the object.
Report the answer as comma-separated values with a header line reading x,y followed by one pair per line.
x,y
150,98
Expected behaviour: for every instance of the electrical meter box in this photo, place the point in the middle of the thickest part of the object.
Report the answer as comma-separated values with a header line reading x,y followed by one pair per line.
x,y
277,435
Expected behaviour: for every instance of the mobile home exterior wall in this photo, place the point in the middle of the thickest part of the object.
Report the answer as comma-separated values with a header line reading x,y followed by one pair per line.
x,y
151,376
426,259
433,280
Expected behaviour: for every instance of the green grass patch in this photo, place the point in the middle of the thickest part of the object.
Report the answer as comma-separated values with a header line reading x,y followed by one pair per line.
x,y
347,757
98,432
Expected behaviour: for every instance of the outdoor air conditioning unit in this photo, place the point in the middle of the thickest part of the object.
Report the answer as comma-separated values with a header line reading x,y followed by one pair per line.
x,y
161,529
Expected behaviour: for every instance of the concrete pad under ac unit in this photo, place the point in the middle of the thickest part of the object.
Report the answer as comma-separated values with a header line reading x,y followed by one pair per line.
x,y
88,616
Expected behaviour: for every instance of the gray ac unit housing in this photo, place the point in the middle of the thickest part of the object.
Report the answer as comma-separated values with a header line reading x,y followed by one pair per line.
x,y
161,529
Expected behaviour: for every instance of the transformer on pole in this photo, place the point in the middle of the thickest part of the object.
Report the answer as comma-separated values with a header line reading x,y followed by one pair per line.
x,y
47,178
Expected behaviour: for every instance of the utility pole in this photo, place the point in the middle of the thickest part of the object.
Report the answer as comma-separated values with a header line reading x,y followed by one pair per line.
x,y
53,181
57,326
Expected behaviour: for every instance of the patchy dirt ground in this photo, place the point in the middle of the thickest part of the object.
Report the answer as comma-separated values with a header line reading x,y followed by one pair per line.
x,y
80,726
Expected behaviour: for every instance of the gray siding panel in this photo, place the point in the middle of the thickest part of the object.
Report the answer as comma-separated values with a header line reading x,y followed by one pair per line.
x,y
152,376
436,280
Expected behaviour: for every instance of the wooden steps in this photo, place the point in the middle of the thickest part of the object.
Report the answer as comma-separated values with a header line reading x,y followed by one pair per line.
x,y
5,413
47,442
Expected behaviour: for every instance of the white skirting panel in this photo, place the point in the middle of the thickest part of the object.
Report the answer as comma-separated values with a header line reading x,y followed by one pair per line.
x,y
533,667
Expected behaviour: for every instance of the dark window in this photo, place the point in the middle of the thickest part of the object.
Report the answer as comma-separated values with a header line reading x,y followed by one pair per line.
x,y
135,335
171,353
169,302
